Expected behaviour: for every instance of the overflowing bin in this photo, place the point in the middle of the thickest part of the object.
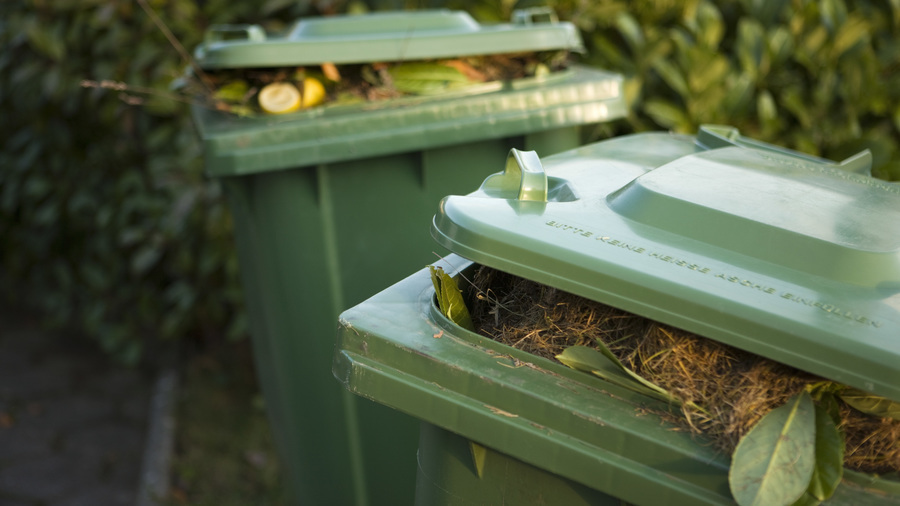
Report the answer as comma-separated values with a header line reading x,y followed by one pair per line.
x,y
330,204
785,255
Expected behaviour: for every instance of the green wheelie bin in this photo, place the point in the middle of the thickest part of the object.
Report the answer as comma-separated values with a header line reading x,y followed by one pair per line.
x,y
787,256
331,203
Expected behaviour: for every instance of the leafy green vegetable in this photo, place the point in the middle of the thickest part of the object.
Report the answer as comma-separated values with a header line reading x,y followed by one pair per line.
x,y
235,91
426,78
773,464
871,404
450,298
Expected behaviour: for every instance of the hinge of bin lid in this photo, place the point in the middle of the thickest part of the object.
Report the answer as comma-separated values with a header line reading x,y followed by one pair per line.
x,y
718,136
534,15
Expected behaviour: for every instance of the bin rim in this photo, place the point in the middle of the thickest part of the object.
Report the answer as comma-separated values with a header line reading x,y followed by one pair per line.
x,y
236,146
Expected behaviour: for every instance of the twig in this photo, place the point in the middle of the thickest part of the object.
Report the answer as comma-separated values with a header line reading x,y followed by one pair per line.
x,y
107,84
178,47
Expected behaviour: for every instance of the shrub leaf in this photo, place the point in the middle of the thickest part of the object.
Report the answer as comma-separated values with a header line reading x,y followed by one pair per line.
x,y
829,463
773,463
450,299
871,404
604,364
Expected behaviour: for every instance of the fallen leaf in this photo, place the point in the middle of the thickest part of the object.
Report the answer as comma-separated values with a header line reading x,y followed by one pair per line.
x,y
331,72
773,464
468,70
498,411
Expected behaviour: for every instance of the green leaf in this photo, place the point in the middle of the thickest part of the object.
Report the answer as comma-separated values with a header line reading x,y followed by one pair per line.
x,y
794,101
849,35
479,455
833,14
631,31
590,360
825,395
235,91
711,28
871,404
668,114
896,117
672,75
750,46
774,462
780,45
889,484
603,364
738,97
766,10
766,109
450,299
46,41
145,259
649,384
829,467
709,70
806,500
612,54
811,44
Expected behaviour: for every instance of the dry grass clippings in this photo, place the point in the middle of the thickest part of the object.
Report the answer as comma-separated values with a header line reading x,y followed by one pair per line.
x,y
736,388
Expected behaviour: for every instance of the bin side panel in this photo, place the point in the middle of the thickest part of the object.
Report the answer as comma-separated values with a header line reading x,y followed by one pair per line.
x,y
279,231
448,477
386,204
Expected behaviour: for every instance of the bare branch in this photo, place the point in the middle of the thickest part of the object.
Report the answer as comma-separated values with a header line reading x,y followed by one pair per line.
x,y
178,47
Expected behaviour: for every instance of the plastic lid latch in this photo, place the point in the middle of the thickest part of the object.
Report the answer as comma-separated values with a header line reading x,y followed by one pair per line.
x,y
523,178
719,136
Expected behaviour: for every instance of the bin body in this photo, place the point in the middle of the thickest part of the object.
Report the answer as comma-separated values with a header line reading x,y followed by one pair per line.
x,y
782,266
331,204
313,241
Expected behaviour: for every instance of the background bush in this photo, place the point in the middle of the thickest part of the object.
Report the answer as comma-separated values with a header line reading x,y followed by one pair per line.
x,y
109,226
107,222
819,76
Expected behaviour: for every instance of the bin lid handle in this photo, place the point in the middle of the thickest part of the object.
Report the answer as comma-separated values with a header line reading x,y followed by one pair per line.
x,y
224,33
524,177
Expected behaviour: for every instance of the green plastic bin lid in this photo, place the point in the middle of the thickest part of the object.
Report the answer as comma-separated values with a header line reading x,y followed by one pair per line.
x,y
384,37
789,256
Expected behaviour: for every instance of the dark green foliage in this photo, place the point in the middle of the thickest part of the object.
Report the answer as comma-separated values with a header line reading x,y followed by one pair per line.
x,y
818,76
107,223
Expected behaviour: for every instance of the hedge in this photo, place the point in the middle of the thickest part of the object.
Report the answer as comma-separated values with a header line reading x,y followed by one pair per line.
x,y
109,226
